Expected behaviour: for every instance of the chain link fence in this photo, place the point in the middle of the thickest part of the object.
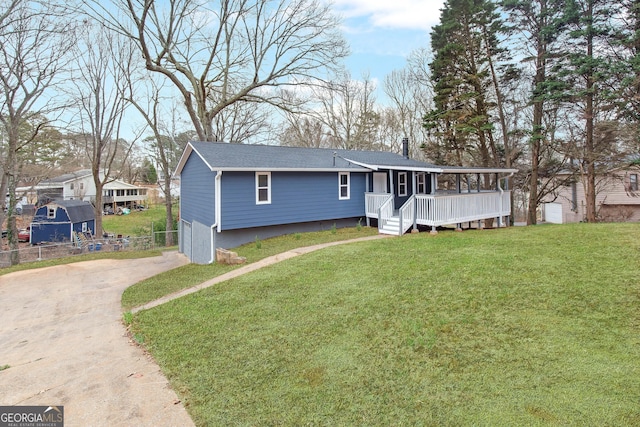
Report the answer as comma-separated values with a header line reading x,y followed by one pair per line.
x,y
43,252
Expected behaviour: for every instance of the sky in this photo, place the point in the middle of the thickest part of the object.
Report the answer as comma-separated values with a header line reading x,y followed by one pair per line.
x,y
382,33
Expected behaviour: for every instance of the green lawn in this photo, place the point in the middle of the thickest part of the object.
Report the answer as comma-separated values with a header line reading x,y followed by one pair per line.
x,y
137,223
193,274
519,326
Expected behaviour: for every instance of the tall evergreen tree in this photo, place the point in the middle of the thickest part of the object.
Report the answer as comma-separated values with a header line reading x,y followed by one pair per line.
x,y
628,70
585,69
465,46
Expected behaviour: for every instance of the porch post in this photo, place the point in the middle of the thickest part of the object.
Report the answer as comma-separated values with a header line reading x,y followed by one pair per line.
x,y
499,204
365,195
468,191
459,191
392,189
415,211
434,184
478,181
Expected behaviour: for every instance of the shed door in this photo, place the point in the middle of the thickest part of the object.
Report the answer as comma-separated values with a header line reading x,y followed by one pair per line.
x,y
380,182
553,213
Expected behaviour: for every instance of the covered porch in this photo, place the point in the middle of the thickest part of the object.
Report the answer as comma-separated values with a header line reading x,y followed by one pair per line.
x,y
433,205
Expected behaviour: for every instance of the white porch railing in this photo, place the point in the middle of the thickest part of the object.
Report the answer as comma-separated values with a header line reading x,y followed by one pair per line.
x,y
373,202
406,214
441,209
385,212
436,210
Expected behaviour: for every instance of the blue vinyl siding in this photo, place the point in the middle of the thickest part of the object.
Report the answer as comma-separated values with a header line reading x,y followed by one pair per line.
x,y
295,197
197,192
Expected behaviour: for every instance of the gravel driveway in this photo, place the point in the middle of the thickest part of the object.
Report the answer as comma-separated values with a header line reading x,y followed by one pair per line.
x,y
62,337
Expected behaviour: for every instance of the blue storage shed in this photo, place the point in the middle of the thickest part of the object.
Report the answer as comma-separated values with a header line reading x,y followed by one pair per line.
x,y
57,221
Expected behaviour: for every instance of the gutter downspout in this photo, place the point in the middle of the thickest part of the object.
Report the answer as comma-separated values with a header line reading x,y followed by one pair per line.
x,y
217,214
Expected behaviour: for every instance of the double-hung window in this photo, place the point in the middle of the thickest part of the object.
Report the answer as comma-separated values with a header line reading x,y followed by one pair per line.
x,y
421,183
263,188
344,186
633,182
402,184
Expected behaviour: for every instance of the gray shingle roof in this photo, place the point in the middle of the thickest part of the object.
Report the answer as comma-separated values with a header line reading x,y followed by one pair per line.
x,y
67,177
251,157
77,210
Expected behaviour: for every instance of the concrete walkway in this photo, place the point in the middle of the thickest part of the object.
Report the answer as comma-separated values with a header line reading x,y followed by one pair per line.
x,y
249,268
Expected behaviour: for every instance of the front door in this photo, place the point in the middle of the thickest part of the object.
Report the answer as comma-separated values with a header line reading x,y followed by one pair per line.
x,y
380,182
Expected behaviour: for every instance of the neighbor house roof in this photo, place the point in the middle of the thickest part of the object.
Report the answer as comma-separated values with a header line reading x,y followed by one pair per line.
x,y
59,181
67,177
77,210
243,157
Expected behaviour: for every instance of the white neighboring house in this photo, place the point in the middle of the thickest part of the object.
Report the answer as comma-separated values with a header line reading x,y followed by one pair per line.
x,y
79,185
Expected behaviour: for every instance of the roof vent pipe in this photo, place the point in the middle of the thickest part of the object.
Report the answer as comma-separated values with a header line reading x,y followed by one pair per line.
x,y
405,147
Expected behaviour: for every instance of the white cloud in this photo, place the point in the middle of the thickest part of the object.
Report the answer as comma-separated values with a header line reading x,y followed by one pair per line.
x,y
392,14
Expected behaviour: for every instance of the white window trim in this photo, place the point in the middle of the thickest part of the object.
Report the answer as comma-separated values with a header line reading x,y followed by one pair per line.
x,y
51,212
258,188
402,188
340,175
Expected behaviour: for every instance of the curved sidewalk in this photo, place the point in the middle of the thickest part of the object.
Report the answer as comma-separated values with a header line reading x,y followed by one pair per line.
x,y
274,259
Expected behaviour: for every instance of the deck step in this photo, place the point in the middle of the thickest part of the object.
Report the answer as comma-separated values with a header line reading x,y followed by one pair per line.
x,y
392,226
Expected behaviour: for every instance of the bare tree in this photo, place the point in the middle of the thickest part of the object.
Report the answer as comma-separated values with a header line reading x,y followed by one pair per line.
x,y
341,113
237,50
410,93
242,122
347,108
104,63
34,40
165,144
304,131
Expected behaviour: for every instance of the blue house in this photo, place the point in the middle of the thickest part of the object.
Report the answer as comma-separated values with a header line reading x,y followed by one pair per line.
x,y
57,221
232,193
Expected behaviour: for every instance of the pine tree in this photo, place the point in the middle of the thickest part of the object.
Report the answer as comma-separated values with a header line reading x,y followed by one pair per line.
x,y
585,69
465,45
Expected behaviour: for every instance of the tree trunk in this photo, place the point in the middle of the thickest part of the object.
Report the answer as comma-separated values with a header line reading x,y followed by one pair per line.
x,y
590,187
10,174
97,207
168,201
537,131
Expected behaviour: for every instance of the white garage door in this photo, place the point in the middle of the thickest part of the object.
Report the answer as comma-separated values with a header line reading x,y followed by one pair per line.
x,y
553,213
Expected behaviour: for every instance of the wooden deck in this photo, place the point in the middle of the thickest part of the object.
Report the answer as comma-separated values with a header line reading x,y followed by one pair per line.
x,y
436,210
